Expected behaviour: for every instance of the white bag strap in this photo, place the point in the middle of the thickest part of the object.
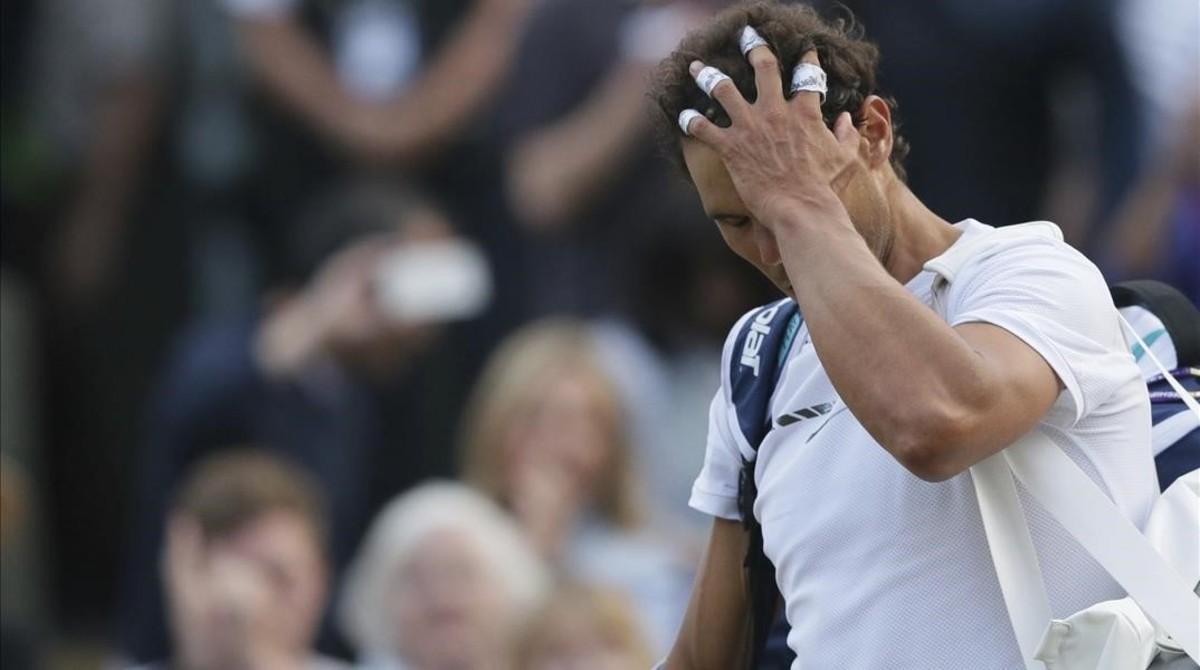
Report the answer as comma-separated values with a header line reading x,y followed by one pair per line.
x,y
1012,554
1095,522
1111,538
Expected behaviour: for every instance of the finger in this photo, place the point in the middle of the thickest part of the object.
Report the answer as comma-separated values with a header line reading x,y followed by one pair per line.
x,y
766,66
718,86
808,84
844,130
695,125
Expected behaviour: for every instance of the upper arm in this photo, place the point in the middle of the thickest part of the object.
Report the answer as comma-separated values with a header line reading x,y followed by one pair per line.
x,y
714,629
1018,388
1040,319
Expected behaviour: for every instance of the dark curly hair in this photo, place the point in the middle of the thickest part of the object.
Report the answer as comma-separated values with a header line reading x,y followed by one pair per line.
x,y
849,61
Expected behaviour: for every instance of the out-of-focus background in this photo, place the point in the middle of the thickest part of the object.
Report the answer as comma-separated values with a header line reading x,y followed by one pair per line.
x,y
377,330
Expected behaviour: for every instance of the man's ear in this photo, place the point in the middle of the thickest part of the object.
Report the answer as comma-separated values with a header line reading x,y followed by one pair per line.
x,y
876,129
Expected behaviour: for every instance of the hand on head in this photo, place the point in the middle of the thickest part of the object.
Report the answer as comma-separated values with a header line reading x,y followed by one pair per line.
x,y
778,152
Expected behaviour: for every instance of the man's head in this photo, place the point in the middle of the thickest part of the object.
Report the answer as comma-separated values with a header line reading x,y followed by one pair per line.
x,y
850,64
245,560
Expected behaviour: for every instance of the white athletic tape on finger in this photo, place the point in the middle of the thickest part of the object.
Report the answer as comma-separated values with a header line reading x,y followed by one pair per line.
x,y
686,117
750,39
708,78
809,77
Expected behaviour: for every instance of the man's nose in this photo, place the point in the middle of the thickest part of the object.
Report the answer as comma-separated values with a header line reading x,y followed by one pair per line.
x,y
768,250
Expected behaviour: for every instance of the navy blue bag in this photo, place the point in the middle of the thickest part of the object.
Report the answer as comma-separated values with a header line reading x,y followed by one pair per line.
x,y
759,352
1167,321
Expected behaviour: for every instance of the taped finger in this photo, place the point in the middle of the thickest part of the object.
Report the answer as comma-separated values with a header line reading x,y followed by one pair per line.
x,y
750,39
708,77
685,120
809,77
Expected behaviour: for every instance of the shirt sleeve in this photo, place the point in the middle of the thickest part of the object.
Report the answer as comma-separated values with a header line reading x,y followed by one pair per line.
x,y
1057,302
715,491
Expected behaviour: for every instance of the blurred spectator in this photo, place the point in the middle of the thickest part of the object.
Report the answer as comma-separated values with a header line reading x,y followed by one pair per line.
x,y
443,582
1157,232
245,568
546,436
583,628
1044,120
350,72
303,377
83,93
1162,38
583,180
17,642
97,83
23,596
362,82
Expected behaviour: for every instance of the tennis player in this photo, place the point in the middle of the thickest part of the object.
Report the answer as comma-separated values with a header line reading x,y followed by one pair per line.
x,y
926,347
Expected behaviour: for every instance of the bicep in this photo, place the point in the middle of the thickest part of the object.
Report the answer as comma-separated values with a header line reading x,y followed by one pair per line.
x,y
1019,386
714,629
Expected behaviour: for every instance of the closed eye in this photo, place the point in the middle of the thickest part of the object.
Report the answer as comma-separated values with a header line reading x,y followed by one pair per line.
x,y
731,221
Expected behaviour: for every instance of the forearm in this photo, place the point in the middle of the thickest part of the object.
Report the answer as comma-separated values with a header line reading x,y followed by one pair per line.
x,y
556,170
715,629
467,71
292,68
876,341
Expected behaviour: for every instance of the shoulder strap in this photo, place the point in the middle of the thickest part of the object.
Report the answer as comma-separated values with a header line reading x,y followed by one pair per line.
x,y
1093,520
759,352
1013,555
1117,545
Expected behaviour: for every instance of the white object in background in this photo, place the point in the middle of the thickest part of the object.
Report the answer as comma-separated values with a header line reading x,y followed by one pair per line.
x,y
377,48
434,281
1151,330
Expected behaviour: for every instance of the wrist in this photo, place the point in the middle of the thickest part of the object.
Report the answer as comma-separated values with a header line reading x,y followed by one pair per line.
x,y
813,211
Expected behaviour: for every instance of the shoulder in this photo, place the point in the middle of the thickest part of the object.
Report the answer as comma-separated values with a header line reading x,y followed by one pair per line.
x,y
1026,265
1035,248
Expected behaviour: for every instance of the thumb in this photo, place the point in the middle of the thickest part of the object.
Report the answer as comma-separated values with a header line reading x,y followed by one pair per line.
x,y
844,130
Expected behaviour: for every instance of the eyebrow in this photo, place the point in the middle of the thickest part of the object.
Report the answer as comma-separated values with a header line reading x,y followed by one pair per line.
x,y
717,216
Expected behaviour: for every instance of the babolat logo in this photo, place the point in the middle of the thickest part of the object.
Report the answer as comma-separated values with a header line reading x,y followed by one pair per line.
x,y
754,339
820,409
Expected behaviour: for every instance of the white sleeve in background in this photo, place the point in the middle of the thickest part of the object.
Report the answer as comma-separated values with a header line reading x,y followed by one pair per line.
x,y
258,8
1055,300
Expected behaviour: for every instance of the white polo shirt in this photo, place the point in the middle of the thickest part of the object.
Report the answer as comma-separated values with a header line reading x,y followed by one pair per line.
x,y
880,569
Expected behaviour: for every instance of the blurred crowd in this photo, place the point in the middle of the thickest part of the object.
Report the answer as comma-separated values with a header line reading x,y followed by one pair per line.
x,y
379,332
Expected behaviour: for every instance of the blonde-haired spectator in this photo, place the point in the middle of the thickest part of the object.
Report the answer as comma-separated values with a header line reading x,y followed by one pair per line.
x,y
444,580
546,436
583,627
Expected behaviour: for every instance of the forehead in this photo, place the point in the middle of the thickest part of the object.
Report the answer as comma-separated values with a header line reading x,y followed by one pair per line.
x,y
712,181
277,535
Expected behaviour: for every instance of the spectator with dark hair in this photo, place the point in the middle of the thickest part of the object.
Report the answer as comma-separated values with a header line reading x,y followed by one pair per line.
x,y
245,566
306,377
